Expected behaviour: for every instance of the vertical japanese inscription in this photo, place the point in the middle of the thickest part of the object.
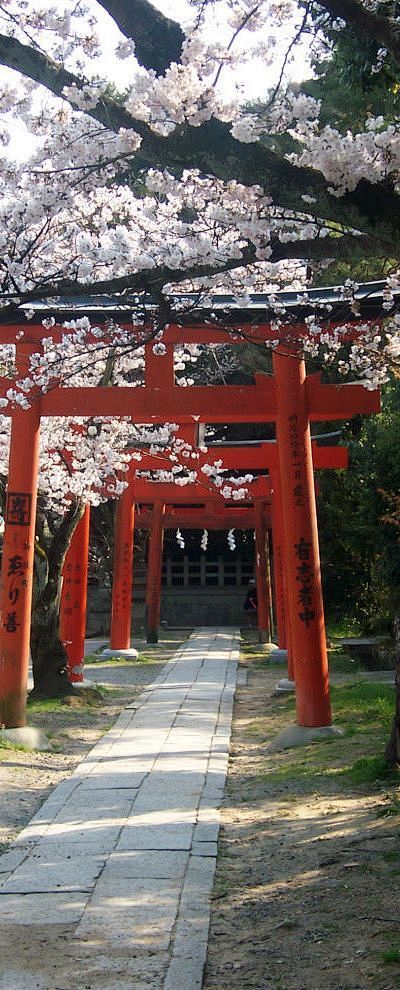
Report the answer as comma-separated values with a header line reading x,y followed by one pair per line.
x,y
16,568
296,452
305,580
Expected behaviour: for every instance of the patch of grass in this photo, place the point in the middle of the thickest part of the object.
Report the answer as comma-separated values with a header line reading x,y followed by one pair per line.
x,y
50,705
363,703
364,710
56,706
150,657
363,772
98,659
341,626
341,662
391,808
15,747
391,956
367,770
292,771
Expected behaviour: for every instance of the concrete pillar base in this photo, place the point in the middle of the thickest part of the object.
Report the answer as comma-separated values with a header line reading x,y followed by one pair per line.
x,y
152,637
28,736
279,656
300,735
267,647
130,654
285,686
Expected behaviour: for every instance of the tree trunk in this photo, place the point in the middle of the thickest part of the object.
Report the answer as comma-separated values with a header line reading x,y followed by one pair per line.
x,y
49,657
392,752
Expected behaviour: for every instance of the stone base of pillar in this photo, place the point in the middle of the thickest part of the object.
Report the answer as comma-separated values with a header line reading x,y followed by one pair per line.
x,y
152,637
28,736
130,654
285,686
267,646
300,735
278,656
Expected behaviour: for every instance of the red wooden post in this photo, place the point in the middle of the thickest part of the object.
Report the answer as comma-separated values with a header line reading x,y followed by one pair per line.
x,y
278,558
120,638
18,555
74,599
262,575
159,368
284,628
154,569
304,592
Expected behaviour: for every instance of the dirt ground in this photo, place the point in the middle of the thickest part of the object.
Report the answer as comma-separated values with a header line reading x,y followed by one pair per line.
x,y
307,888
306,893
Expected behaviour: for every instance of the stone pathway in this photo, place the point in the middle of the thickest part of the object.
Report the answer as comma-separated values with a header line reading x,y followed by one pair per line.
x,y
114,875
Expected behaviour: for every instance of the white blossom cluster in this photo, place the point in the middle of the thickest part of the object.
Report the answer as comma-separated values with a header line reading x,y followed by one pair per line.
x,y
180,539
345,159
231,539
204,540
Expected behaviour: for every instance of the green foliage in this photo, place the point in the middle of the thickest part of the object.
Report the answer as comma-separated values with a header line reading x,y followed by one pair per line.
x,y
352,82
360,552
367,770
391,956
14,747
363,703
341,663
363,709
391,808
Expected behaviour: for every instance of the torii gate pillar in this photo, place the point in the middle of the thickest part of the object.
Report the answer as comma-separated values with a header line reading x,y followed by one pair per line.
x,y
278,558
18,555
263,582
74,599
120,636
154,570
303,576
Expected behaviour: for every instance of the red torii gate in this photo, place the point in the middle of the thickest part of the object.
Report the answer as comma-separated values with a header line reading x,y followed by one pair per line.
x,y
289,398
217,514
247,459
161,496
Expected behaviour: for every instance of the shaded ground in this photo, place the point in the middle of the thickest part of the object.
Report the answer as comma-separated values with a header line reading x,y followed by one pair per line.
x,y
306,895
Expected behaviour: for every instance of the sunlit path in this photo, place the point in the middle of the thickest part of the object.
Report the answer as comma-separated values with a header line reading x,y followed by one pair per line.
x,y
109,885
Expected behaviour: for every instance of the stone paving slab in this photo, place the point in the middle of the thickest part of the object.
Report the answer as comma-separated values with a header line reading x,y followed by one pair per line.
x,y
119,862
44,874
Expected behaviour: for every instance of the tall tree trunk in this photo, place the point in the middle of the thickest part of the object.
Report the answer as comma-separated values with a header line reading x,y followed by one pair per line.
x,y
392,752
49,657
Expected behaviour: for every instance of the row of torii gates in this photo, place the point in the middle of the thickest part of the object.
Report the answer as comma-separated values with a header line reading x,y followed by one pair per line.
x,y
282,498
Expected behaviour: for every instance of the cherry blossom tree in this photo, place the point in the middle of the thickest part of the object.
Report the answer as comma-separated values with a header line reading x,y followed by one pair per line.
x,y
147,179
116,170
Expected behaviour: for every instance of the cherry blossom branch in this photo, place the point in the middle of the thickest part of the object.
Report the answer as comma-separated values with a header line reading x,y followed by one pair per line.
x,y
212,149
152,280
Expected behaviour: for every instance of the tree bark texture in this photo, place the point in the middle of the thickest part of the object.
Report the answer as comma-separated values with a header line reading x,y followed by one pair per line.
x,y
392,752
49,658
